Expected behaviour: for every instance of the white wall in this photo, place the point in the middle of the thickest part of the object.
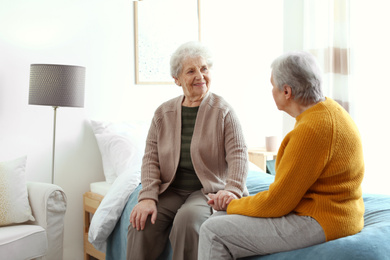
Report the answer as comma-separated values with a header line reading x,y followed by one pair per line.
x,y
95,34
98,34
293,40
245,39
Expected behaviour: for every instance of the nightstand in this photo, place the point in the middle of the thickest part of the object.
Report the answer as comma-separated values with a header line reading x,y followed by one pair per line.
x,y
91,202
259,157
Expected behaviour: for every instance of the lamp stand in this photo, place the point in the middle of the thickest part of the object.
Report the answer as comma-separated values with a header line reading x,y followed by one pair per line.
x,y
54,143
56,85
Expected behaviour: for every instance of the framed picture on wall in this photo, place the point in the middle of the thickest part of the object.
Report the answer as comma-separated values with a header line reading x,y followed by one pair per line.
x,y
160,27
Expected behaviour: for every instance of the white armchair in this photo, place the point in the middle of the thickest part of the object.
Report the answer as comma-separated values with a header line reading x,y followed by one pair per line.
x,y
42,238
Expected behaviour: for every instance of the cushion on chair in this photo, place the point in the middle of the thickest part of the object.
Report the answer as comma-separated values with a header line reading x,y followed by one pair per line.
x,y
30,238
14,204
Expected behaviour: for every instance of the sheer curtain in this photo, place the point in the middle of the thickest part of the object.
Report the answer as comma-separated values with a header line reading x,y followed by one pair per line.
x,y
326,35
350,39
370,45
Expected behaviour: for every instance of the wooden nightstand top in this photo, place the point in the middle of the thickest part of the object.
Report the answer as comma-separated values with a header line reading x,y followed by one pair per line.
x,y
259,155
261,150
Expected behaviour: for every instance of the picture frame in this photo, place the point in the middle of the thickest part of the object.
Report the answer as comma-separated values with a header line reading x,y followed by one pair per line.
x,y
160,27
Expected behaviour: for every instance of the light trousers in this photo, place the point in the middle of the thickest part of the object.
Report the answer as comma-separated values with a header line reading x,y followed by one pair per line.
x,y
225,236
179,217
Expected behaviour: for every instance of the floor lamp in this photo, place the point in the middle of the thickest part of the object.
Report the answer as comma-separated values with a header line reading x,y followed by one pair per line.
x,y
57,86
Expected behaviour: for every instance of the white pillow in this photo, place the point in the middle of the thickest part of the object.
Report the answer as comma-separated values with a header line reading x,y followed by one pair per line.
x,y
121,144
110,209
14,204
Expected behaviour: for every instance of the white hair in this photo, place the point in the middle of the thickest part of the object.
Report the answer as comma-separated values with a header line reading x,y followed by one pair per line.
x,y
190,49
302,73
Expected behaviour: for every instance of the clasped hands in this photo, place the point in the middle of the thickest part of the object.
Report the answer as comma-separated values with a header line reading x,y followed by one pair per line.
x,y
220,200
141,211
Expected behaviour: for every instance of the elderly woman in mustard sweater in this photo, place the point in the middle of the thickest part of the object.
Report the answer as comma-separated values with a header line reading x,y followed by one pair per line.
x,y
316,196
195,146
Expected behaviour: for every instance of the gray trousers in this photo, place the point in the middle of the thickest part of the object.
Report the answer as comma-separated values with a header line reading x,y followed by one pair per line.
x,y
179,217
233,236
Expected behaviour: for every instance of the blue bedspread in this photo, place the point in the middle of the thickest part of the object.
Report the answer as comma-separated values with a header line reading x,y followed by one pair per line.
x,y
372,243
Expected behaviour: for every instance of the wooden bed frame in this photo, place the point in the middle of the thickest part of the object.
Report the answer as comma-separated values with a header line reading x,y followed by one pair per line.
x,y
91,202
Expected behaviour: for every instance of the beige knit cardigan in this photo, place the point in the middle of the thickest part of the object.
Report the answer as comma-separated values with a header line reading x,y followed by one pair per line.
x,y
218,148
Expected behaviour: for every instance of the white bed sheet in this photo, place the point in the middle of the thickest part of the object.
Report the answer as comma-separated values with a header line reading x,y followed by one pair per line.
x,y
101,187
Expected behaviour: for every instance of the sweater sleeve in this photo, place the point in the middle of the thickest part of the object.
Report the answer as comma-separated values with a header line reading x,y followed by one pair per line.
x,y
300,161
150,177
236,155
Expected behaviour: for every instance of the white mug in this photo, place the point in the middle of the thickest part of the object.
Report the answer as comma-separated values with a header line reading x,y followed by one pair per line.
x,y
271,143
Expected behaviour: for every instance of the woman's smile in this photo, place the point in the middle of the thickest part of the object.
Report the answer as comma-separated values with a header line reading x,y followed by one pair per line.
x,y
194,79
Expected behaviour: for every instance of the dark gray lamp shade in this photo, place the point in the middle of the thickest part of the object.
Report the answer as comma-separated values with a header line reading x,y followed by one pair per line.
x,y
56,85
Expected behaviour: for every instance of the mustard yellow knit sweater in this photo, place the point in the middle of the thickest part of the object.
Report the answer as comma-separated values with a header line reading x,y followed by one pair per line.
x,y
319,170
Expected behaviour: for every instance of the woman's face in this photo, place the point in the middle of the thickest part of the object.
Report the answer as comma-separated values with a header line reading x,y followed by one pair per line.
x,y
194,78
278,95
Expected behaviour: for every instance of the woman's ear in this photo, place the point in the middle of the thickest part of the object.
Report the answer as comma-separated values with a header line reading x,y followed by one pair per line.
x,y
287,91
177,82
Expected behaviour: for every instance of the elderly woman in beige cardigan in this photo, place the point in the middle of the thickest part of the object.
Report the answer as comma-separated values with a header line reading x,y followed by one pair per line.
x,y
195,147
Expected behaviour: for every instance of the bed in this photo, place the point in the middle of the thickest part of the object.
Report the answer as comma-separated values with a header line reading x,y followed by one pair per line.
x,y
108,230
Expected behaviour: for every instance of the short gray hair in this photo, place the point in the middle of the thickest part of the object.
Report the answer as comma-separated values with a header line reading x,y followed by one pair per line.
x,y
190,49
302,73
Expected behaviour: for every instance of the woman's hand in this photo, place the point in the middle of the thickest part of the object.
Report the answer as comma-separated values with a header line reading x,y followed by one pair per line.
x,y
221,199
140,213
